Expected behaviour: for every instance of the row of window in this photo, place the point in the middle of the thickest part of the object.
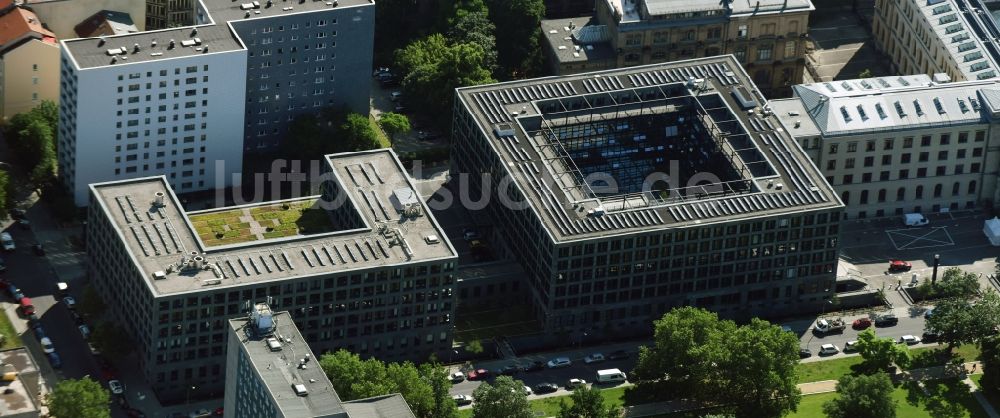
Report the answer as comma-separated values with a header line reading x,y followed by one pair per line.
x,y
901,195
905,174
905,158
925,141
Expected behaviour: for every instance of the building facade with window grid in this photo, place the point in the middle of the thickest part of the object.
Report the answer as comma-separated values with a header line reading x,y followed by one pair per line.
x,y
600,264
895,145
378,285
259,68
768,38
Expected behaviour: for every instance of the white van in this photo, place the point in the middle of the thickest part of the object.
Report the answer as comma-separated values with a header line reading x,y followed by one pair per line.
x,y
7,241
610,376
915,219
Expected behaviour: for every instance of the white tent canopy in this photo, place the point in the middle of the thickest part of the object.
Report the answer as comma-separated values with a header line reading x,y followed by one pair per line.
x,y
992,230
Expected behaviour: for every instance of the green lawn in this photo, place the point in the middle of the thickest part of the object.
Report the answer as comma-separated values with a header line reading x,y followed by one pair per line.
x,y
549,407
277,220
922,357
222,228
513,320
11,339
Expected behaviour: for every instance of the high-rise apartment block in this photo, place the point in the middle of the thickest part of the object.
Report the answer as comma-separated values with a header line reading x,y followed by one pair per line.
x,y
766,37
272,373
895,145
187,102
952,37
363,266
625,193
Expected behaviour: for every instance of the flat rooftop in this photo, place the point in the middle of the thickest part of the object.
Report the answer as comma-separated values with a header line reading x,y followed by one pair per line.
x,y
22,391
689,119
385,232
279,369
578,39
631,11
212,33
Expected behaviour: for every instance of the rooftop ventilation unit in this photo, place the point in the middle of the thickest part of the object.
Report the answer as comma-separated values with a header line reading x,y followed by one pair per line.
x,y
273,344
158,199
159,275
171,45
262,319
503,129
211,282
300,389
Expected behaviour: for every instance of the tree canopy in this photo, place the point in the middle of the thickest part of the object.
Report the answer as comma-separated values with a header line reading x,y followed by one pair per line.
x,y
4,197
518,43
880,353
749,370
954,283
961,321
83,398
864,396
333,130
394,124
32,138
424,388
505,398
587,402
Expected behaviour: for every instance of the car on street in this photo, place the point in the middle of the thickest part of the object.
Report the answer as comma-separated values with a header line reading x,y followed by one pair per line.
x,y
470,234
477,374
542,388
24,224
116,387
896,266
47,346
534,366
559,362
84,331
861,323
508,370
805,353
909,339
70,302
930,337
851,346
575,383
17,213
15,292
828,350
928,313
7,241
457,377
594,358
54,360
886,320
39,331
462,400
527,390
618,355
379,71
396,95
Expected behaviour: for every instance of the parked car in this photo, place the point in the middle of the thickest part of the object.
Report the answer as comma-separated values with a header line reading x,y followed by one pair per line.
x,y
558,362
930,337
117,387
909,340
54,360
461,400
47,346
534,367
828,350
379,71
805,353
477,374
84,331
575,383
928,313
396,95
896,266
618,355
851,346
508,370
542,388
457,377
39,331
77,319
7,241
527,390
861,323
594,358
886,320
15,292
70,302
24,224
470,234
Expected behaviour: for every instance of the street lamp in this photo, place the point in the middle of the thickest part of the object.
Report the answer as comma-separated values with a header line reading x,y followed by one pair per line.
x,y
190,388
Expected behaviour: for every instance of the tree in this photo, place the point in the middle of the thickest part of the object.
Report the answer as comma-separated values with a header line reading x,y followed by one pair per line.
x,y
111,339
588,403
394,124
959,321
865,396
360,133
750,370
83,398
475,27
474,347
954,283
425,389
866,73
505,398
880,353
990,349
518,43
4,186
32,138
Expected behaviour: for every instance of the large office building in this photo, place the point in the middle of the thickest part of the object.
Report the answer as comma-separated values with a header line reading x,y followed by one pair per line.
x,y
767,37
272,373
364,266
953,37
625,193
895,145
188,102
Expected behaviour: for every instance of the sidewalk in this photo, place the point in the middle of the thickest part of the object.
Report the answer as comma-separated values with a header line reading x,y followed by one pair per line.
x,y
574,354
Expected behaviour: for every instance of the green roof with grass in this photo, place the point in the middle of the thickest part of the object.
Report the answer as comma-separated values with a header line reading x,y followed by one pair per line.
x,y
258,223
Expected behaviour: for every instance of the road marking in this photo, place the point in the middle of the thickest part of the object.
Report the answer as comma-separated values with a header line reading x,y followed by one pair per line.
x,y
920,238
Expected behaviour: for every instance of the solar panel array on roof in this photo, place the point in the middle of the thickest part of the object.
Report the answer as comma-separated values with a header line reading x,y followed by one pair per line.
x,y
492,102
718,71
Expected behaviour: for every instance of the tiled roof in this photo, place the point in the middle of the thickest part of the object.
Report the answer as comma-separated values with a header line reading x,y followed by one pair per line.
x,y
18,22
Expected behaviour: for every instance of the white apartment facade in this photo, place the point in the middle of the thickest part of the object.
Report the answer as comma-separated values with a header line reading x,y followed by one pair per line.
x,y
181,117
937,36
895,145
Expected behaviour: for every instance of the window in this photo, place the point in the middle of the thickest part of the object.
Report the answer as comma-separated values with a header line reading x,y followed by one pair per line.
x,y
883,176
940,170
846,197
881,195
833,148
921,172
945,139
937,190
886,159
925,141
864,197
901,194
740,53
904,174
920,192
661,37
963,137
870,146
764,52
869,161
742,32
831,165
942,155
848,179
866,177
904,158
852,147
908,142
924,156
790,47
972,187
977,152
980,136
849,163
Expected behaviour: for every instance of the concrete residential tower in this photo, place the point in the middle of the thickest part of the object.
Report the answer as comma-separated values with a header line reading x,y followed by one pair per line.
x,y
187,102
628,192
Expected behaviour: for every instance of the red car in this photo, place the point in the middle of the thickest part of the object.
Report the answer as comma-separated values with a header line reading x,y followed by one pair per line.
x,y
478,374
862,323
899,265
